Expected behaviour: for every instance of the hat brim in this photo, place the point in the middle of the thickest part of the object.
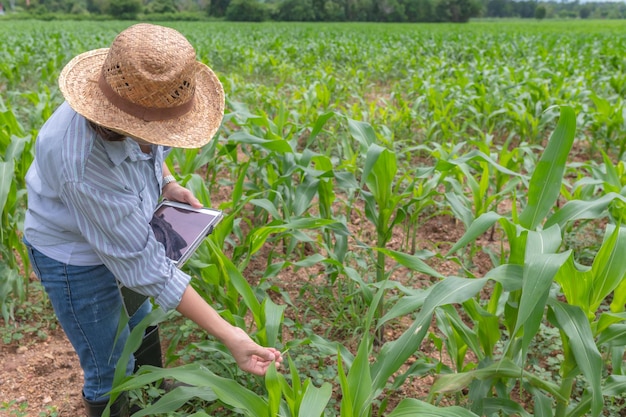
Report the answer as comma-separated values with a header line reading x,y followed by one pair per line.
x,y
78,82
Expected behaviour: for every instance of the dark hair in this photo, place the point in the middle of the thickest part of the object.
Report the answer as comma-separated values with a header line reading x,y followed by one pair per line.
x,y
107,134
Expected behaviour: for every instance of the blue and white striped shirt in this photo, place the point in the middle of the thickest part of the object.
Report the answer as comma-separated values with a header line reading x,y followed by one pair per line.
x,y
90,202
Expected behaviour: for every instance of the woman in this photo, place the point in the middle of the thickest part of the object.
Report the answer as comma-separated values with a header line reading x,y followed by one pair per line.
x,y
97,177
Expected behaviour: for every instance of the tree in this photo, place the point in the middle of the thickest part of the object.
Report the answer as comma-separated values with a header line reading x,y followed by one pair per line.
x,y
540,12
125,9
524,9
498,8
161,6
584,12
334,11
458,11
391,11
247,11
419,10
296,11
218,8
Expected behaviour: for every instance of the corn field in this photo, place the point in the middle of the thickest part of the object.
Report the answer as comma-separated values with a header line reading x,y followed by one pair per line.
x,y
339,142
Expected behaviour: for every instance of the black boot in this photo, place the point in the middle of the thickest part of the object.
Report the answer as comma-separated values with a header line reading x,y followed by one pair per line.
x,y
149,353
118,409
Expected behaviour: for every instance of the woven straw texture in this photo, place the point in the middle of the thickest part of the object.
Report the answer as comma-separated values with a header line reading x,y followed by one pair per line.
x,y
161,94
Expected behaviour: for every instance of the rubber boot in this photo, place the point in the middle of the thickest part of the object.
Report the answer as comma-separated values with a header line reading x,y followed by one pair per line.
x,y
149,353
118,409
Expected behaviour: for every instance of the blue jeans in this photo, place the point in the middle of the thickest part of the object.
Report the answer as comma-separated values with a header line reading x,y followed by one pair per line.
x,y
88,305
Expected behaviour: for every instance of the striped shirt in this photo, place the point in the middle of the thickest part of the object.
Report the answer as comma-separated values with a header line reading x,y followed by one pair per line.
x,y
90,202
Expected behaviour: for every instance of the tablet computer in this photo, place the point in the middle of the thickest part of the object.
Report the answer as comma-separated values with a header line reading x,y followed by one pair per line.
x,y
180,228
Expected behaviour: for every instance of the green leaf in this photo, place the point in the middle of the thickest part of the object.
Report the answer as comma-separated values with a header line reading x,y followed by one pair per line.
x,y
543,405
609,266
573,322
239,282
475,230
504,405
315,400
579,209
545,183
504,369
410,407
276,145
538,276
318,126
267,205
347,407
576,284
394,354
362,132
379,172
360,380
173,400
6,175
272,384
410,261
615,385
273,319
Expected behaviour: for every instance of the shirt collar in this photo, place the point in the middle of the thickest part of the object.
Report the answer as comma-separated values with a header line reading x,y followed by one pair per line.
x,y
118,151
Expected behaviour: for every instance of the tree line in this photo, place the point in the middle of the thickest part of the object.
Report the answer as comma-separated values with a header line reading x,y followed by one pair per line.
x,y
317,10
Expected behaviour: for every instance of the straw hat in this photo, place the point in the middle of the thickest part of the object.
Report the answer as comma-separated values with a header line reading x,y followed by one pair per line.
x,y
147,85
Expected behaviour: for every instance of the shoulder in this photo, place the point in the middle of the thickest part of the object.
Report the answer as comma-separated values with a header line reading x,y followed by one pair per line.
x,y
65,143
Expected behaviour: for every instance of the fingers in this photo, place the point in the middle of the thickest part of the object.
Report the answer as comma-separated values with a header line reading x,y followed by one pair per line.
x,y
193,201
190,198
261,360
177,192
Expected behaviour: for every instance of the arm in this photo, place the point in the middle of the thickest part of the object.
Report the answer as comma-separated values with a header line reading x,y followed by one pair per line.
x,y
249,356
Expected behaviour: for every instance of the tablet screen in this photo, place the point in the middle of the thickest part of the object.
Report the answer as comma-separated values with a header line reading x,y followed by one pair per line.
x,y
180,230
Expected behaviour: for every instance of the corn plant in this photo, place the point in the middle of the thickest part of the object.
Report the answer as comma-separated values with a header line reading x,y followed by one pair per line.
x,y
536,252
16,157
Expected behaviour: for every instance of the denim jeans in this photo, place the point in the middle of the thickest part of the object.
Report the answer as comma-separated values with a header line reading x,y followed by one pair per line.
x,y
88,305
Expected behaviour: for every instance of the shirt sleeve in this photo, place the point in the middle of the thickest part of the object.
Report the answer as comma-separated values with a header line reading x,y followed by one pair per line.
x,y
114,224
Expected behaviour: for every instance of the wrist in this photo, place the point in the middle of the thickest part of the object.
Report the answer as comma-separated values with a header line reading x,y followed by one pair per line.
x,y
232,336
168,179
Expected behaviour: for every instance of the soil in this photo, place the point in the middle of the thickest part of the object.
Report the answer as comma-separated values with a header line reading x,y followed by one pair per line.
x,y
40,374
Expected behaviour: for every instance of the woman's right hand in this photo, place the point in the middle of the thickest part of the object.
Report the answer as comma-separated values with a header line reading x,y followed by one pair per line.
x,y
250,356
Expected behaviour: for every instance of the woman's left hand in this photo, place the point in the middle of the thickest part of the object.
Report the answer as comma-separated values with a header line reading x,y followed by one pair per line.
x,y
176,192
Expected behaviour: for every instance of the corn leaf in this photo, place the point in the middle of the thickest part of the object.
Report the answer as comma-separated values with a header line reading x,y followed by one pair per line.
x,y
362,132
505,369
609,266
273,386
173,400
272,320
475,230
411,408
580,209
573,322
538,276
315,400
347,406
275,145
394,354
545,183
6,173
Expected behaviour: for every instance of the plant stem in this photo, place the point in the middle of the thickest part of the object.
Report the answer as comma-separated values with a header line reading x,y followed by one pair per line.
x,y
380,277
566,391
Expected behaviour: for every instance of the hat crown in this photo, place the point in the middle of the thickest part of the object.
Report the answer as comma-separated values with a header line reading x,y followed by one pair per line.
x,y
151,66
